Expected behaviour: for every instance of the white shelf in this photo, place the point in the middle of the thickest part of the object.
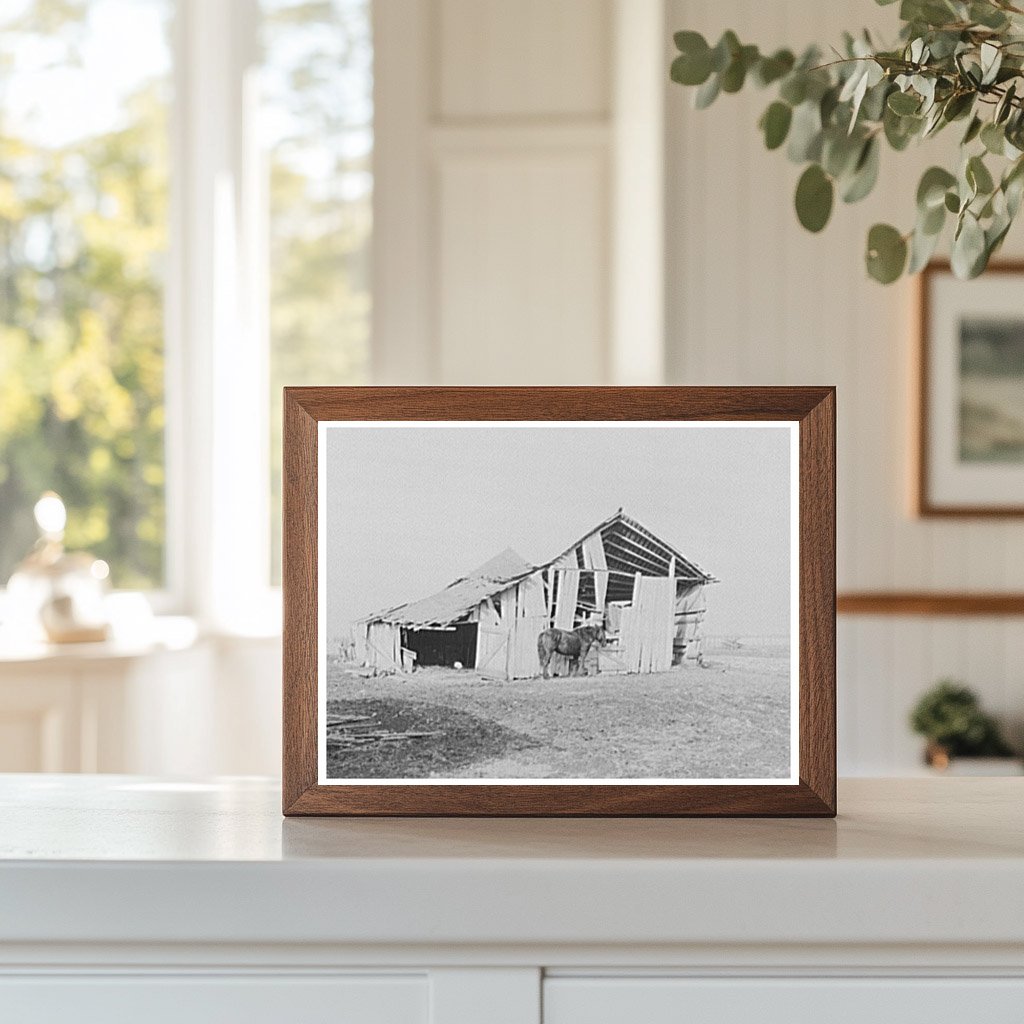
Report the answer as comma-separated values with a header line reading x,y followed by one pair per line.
x,y
161,633
121,859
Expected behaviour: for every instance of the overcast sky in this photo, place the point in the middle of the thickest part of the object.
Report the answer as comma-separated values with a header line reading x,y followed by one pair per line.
x,y
411,508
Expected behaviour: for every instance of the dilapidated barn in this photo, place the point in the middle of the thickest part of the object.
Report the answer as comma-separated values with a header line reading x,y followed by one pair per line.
x,y
648,595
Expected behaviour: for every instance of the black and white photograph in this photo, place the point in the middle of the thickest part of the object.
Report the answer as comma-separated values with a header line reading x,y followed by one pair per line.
x,y
561,602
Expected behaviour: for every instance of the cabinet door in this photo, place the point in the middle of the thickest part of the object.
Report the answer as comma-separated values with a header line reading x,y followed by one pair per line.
x,y
202,999
783,1001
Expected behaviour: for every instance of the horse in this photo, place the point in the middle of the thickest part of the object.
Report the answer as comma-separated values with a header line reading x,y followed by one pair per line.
x,y
575,644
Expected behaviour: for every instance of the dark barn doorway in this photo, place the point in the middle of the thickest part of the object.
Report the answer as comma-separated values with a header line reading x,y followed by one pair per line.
x,y
443,646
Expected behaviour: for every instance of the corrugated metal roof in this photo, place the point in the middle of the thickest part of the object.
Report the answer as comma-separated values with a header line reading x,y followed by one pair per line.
x,y
461,595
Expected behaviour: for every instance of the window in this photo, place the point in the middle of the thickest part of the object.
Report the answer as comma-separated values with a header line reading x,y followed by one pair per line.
x,y
83,235
317,119
185,221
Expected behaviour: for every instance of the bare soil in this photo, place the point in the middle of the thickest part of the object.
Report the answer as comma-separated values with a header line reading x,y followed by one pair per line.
x,y
730,719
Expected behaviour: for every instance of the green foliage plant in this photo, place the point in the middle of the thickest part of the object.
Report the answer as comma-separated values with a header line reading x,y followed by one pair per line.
x,y
957,62
950,717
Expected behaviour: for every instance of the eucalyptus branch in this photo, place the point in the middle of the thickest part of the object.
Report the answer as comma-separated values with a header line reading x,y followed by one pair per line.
x,y
955,61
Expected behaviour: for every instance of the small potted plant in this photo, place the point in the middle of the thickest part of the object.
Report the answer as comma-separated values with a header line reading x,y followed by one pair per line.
x,y
950,717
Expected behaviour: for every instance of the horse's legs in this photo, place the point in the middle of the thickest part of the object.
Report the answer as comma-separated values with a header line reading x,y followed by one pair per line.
x,y
545,658
582,663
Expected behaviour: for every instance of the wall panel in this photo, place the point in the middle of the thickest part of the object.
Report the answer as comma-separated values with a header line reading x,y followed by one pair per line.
x,y
521,285
528,58
494,203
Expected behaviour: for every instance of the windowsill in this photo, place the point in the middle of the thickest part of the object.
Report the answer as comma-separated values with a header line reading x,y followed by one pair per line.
x,y
161,633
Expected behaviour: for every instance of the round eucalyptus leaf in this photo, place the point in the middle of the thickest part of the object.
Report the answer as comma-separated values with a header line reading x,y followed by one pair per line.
x,y
735,74
944,44
874,103
922,248
865,173
1013,187
693,65
827,105
688,42
775,123
794,89
931,221
968,255
805,133
725,50
995,234
707,93
932,189
973,130
771,69
903,103
900,130
840,152
958,106
887,253
952,202
978,176
814,194
993,138
987,15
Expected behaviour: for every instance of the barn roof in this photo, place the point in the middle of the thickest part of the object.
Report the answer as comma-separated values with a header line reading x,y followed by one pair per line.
x,y
462,594
629,547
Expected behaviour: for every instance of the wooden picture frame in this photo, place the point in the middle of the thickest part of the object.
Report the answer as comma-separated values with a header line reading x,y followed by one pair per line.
x,y
809,791
940,490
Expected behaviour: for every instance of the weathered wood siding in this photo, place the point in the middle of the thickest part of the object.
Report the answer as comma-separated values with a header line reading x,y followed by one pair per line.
x,y
568,595
384,647
691,606
648,625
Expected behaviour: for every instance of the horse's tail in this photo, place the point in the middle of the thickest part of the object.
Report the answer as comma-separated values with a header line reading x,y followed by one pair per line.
x,y
541,648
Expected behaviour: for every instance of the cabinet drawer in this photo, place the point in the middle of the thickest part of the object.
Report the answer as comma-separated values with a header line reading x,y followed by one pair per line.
x,y
782,1001
202,999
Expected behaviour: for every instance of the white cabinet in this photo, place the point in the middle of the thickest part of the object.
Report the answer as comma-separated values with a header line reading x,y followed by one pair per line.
x,y
478,996
126,899
215,1000
830,1000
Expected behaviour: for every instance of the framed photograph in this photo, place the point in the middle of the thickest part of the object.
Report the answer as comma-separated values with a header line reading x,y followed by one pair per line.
x,y
559,601
970,451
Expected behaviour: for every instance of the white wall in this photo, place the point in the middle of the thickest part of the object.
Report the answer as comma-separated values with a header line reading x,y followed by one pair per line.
x,y
754,299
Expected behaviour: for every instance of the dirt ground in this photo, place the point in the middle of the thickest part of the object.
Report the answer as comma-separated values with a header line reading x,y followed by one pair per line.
x,y
729,719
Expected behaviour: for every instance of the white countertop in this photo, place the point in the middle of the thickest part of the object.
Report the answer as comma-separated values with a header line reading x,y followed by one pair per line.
x,y
122,859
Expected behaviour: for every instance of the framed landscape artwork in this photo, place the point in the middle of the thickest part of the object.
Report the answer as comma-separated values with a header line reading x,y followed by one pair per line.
x,y
970,451
559,601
